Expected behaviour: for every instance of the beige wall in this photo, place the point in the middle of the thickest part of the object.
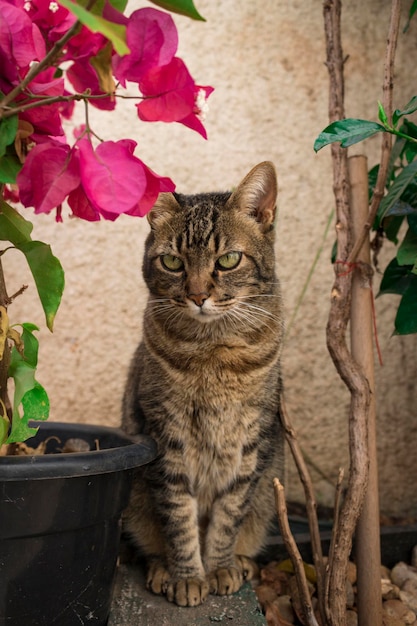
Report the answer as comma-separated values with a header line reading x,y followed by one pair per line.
x,y
266,61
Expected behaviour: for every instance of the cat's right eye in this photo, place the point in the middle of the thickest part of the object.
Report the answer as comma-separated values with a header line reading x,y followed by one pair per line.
x,y
172,263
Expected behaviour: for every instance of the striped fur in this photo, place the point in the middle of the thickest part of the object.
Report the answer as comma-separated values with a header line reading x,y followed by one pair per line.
x,y
205,383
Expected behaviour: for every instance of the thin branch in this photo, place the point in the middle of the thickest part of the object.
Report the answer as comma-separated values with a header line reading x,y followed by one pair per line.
x,y
337,499
311,505
295,556
347,368
387,90
37,68
47,61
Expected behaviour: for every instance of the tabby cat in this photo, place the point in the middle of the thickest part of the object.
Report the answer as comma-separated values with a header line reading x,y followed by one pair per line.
x,y
205,384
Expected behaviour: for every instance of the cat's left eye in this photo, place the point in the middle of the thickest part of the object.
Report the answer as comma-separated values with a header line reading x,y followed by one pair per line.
x,y
229,261
172,263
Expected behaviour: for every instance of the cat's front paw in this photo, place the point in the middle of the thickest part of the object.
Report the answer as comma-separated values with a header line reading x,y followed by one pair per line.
x,y
157,577
187,591
227,580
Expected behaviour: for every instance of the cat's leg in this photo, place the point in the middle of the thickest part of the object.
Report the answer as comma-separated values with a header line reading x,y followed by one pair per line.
x,y
226,569
140,521
180,575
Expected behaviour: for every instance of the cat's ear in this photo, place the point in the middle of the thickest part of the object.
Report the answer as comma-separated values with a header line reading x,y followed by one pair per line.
x,y
162,209
257,194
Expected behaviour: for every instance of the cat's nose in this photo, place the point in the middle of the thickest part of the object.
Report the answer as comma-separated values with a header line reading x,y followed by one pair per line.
x,y
198,298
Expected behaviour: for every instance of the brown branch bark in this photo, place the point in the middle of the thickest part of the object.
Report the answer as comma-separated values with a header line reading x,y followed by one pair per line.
x,y
339,314
387,91
295,556
367,542
311,506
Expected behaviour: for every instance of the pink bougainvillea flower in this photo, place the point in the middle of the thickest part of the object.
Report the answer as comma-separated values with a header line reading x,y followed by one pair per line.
x,y
50,172
46,119
152,38
83,76
52,19
66,108
155,184
169,93
20,41
195,119
112,177
84,45
81,206
114,181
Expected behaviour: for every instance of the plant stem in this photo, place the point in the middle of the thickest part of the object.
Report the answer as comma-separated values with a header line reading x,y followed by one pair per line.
x,y
5,360
387,89
348,369
311,506
367,543
296,559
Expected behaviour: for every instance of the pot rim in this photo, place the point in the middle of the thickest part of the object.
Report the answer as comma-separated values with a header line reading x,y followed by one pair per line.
x,y
127,453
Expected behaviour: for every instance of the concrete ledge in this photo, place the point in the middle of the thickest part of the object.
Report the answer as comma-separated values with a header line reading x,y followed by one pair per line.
x,y
134,605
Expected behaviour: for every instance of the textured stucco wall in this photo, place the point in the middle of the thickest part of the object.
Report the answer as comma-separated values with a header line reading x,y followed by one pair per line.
x,y
266,61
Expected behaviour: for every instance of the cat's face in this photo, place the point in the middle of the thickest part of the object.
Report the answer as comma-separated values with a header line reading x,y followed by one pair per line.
x,y
210,256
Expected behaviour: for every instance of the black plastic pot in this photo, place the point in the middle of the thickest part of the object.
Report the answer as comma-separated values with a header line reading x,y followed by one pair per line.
x,y
60,526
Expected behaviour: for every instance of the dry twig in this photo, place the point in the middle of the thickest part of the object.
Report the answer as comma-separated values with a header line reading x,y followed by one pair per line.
x,y
295,556
339,314
311,506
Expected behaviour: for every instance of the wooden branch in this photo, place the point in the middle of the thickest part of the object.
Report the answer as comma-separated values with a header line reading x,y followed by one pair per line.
x,y
311,506
295,556
339,314
367,542
387,90
337,498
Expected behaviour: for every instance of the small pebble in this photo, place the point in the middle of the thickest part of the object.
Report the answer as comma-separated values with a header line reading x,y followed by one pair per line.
x,y
284,605
397,609
402,572
351,618
350,595
409,599
351,572
389,591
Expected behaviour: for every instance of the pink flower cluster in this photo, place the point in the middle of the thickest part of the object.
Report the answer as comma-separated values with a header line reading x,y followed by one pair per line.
x,y
108,179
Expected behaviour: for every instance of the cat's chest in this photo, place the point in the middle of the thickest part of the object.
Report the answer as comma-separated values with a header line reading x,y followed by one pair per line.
x,y
214,441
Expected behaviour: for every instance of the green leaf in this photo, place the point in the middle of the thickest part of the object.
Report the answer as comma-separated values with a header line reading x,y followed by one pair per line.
x,y
409,108
10,166
407,251
395,191
13,226
406,318
396,279
48,275
392,227
413,9
8,130
348,132
116,33
28,393
4,429
383,118
401,208
120,5
412,221
182,7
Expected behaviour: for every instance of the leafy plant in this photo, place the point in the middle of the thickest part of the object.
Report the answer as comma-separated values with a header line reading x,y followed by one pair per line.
x,y
53,55
398,209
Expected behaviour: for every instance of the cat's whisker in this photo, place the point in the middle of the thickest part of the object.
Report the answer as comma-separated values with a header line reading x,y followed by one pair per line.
x,y
258,310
